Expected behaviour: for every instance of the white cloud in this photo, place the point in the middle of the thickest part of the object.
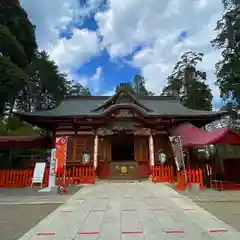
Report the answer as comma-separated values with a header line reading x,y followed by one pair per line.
x,y
50,18
97,74
72,53
156,24
90,7
124,26
93,81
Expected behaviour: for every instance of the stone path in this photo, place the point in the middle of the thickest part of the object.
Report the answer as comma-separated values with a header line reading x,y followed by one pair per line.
x,y
137,211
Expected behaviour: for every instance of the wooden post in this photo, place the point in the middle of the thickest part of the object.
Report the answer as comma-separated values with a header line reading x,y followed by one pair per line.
x,y
151,153
95,155
187,158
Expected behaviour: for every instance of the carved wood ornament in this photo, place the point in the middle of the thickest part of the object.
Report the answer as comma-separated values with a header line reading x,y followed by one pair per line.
x,y
124,113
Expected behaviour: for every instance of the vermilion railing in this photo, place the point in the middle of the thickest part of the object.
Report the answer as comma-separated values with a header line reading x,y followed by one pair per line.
x,y
224,185
187,178
162,174
23,178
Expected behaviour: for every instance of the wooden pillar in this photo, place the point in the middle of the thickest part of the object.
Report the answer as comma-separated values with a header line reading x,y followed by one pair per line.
x,y
53,137
151,154
187,164
95,154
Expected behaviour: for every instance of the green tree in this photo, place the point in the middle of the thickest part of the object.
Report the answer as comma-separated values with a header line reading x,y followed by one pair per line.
x,y
12,80
139,86
76,89
11,48
232,120
228,40
188,83
46,85
125,86
17,48
14,17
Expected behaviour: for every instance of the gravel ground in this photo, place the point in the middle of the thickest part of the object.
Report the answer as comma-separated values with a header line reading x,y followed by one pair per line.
x,y
16,220
18,214
228,212
225,205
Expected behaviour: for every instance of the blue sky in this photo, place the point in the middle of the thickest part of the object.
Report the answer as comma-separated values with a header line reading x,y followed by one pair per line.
x,y
101,43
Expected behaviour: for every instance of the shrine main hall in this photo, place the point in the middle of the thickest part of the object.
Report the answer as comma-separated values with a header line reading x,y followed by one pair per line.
x,y
124,131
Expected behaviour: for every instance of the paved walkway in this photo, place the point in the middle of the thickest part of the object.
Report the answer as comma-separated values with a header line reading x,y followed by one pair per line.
x,y
130,211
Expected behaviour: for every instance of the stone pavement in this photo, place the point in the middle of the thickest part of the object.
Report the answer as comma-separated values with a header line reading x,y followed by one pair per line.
x,y
130,211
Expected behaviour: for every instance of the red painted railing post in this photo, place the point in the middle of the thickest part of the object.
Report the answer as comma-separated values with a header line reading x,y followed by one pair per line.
x,y
201,180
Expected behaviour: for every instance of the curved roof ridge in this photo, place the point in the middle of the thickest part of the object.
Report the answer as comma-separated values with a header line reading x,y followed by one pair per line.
x,y
115,96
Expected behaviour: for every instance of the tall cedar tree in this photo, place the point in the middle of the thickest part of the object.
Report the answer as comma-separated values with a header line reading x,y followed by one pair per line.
x,y
228,40
188,83
137,88
17,48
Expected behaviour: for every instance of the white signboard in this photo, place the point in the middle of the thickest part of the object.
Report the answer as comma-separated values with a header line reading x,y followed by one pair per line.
x,y
86,158
38,174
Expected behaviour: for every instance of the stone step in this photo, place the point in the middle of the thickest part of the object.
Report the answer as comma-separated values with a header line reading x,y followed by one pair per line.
x,y
123,181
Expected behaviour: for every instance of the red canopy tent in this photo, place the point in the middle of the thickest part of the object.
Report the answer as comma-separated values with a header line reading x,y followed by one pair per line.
x,y
25,142
196,137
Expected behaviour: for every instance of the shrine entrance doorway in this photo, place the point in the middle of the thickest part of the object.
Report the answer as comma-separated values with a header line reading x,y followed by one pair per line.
x,y
123,164
122,148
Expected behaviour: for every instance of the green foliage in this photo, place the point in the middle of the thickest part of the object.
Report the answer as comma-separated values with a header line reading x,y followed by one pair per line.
x,y
76,89
14,17
2,129
45,87
25,130
18,45
232,120
228,40
11,48
188,83
127,86
139,86
12,80
14,127
29,79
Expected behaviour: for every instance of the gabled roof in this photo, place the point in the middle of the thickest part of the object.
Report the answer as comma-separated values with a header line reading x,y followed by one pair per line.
x,y
100,106
116,99
196,137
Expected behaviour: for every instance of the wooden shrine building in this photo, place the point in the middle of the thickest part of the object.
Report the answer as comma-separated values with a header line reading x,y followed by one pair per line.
x,y
121,132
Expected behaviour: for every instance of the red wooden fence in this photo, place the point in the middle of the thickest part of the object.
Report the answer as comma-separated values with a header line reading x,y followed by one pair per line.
x,y
224,185
191,176
23,178
162,174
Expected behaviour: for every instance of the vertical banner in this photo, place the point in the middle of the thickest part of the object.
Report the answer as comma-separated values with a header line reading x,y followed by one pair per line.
x,y
176,143
61,152
52,175
151,149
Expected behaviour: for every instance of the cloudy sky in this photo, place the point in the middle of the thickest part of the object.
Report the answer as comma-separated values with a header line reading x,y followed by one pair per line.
x,y
103,42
